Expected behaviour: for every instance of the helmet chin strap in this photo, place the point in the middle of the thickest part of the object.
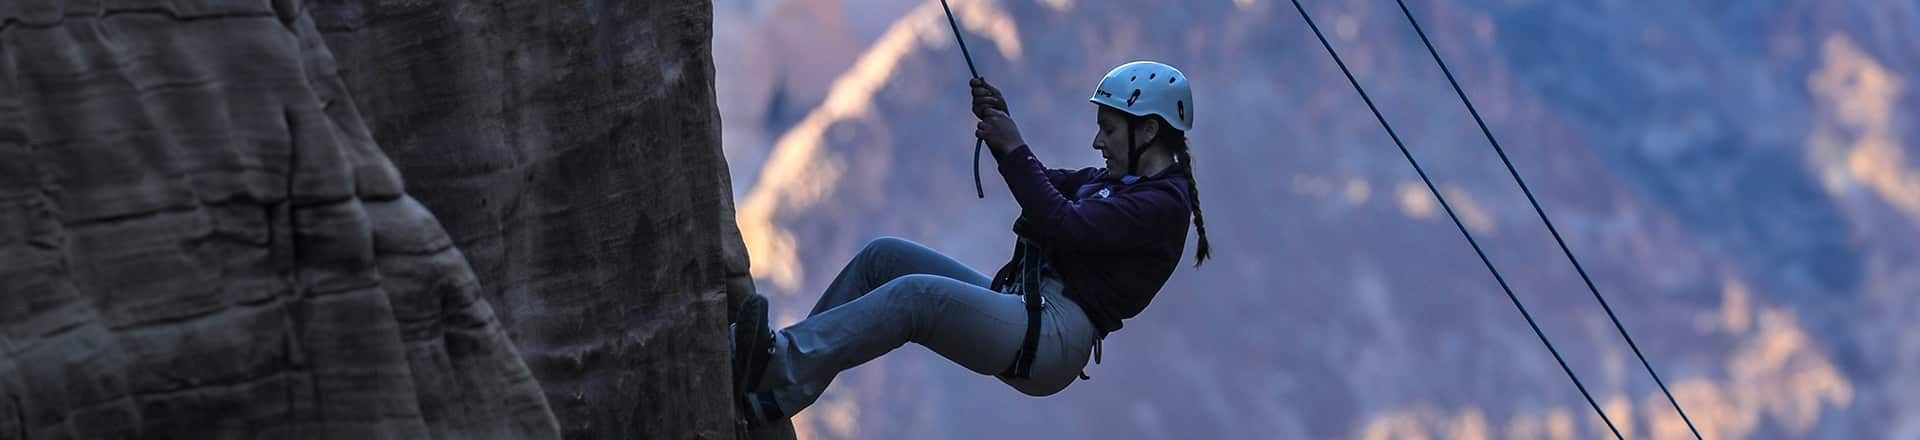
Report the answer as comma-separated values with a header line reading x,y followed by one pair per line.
x,y
1134,151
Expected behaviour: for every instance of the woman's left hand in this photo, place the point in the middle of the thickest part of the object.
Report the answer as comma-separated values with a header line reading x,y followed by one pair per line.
x,y
1001,134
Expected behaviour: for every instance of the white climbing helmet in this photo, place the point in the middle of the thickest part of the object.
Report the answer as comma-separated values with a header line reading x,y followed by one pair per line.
x,y
1143,88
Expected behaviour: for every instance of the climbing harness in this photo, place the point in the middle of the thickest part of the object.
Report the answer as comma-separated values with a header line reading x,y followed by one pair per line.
x,y
1469,236
1025,281
978,191
1543,216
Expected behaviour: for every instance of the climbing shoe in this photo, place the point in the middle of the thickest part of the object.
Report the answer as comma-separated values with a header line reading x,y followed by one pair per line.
x,y
752,348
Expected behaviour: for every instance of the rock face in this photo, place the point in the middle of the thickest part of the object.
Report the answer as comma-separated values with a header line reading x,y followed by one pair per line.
x,y
200,236
573,151
199,239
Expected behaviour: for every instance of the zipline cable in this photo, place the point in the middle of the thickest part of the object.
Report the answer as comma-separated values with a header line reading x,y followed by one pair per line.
x,y
977,190
1543,215
1456,220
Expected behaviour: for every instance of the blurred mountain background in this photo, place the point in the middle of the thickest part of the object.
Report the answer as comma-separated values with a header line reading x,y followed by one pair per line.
x,y
1734,175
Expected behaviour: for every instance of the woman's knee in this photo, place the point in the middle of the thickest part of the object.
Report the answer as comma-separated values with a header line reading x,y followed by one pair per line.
x,y
877,253
921,290
886,245
918,284
886,258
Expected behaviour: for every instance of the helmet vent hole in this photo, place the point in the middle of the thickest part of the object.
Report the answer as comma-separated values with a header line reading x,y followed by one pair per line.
x,y
1170,80
1132,78
1151,75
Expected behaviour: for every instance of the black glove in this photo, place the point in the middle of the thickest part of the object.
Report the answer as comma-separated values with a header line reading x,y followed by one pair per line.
x,y
996,128
1001,134
986,96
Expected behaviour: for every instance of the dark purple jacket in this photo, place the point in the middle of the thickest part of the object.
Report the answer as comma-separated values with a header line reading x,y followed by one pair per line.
x,y
1113,244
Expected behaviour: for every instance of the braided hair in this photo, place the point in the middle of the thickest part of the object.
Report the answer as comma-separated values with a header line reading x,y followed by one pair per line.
x,y
1175,141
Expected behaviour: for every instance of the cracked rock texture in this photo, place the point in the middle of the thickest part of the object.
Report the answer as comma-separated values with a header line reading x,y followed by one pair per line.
x,y
201,237
573,151
198,239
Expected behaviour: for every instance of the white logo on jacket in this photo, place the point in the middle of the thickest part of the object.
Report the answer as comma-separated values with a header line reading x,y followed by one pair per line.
x,y
1104,192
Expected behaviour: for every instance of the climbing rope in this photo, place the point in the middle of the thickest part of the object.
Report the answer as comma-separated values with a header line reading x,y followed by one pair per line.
x,y
977,190
1456,220
1543,215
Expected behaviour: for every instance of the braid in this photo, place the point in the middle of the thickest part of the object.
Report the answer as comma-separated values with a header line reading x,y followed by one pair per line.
x,y
1185,157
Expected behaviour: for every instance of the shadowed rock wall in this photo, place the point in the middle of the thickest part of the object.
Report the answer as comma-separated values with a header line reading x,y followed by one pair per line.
x,y
573,151
199,238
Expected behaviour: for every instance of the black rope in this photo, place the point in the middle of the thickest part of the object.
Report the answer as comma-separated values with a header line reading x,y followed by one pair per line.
x,y
1456,220
977,190
1543,216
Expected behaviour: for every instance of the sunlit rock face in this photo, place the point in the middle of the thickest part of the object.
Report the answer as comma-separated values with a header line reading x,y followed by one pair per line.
x,y
1736,178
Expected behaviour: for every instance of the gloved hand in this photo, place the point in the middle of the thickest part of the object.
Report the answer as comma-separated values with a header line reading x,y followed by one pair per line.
x,y
995,127
986,96
1001,134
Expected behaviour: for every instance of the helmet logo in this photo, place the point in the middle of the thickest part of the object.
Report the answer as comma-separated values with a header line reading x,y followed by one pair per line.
x,y
1103,93
1135,97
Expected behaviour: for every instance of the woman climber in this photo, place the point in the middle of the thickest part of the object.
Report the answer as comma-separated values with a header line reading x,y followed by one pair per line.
x,y
1094,247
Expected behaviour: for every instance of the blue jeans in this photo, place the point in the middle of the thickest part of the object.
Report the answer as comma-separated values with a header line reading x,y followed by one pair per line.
x,y
897,291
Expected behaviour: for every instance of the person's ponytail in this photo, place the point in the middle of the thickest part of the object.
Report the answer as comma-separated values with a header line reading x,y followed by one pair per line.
x,y
1178,144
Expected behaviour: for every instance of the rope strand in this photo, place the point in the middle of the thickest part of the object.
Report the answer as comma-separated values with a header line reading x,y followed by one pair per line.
x,y
1456,221
978,191
1543,216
